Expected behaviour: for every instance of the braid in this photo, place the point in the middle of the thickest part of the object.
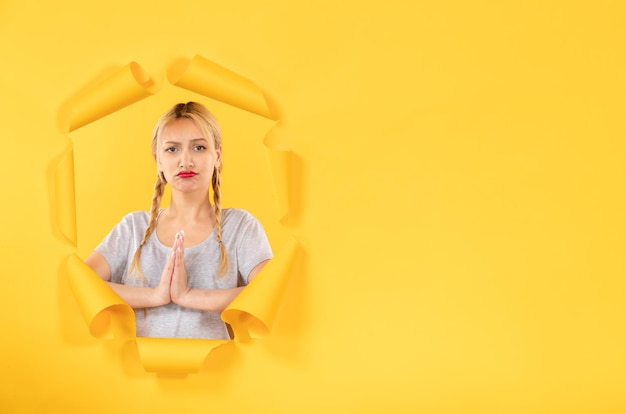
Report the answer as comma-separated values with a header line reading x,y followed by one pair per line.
x,y
210,129
159,186
217,196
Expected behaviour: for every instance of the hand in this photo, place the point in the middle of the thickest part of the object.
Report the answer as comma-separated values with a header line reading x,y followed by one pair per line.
x,y
162,291
178,287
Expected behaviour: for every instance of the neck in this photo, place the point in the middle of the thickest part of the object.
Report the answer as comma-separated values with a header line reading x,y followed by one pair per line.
x,y
189,208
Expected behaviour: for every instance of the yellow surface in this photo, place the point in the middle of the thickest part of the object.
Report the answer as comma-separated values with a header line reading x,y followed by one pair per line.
x,y
459,202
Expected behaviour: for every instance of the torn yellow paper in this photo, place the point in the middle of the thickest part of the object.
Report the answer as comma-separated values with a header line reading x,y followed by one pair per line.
x,y
280,161
106,314
64,205
175,355
284,172
122,88
252,313
207,78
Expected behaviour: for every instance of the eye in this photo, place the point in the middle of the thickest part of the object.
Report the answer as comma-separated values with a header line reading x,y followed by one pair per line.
x,y
171,149
199,148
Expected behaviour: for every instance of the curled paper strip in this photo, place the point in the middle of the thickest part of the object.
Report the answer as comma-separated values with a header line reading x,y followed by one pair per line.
x,y
175,355
280,165
64,205
124,87
284,172
214,81
252,313
106,314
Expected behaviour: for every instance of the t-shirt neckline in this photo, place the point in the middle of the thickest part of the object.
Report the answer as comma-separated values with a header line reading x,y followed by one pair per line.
x,y
164,246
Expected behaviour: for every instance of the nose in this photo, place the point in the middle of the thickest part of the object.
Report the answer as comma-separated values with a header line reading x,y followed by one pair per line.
x,y
186,159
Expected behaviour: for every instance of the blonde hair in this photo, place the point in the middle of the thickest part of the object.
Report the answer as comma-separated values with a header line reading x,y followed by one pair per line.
x,y
210,128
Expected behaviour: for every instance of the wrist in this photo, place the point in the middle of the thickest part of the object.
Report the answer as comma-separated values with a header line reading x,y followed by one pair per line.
x,y
183,298
158,298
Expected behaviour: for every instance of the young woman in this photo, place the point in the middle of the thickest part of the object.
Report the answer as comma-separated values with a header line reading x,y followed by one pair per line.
x,y
181,266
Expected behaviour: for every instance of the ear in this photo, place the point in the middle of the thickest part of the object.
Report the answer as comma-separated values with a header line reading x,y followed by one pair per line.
x,y
218,160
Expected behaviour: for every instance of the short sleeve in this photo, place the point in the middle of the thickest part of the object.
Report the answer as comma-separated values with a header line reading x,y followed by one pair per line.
x,y
116,248
253,247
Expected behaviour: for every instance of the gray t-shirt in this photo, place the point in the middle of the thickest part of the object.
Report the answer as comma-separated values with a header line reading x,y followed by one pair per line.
x,y
246,245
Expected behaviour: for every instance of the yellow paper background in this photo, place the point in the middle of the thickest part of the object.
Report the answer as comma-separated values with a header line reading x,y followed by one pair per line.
x,y
460,203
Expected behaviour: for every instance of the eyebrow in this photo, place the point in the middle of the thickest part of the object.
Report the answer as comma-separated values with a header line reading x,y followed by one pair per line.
x,y
178,142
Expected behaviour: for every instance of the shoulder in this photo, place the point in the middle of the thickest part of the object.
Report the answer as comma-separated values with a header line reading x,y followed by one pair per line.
x,y
135,219
122,236
137,216
237,215
236,222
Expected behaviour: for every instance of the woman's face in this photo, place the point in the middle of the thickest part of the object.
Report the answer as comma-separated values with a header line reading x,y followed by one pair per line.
x,y
186,157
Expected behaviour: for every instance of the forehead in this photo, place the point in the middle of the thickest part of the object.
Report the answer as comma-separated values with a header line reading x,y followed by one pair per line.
x,y
182,129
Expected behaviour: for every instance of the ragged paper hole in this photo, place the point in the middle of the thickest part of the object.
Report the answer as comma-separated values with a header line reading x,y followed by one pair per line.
x,y
116,103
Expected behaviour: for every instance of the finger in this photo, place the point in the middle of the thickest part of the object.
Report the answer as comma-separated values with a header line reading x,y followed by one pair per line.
x,y
171,259
174,260
180,265
181,244
176,241
169,267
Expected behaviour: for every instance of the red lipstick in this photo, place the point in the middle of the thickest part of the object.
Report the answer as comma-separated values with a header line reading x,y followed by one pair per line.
x,y
186,174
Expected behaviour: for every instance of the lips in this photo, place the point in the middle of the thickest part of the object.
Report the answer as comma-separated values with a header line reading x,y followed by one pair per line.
x,y
186,174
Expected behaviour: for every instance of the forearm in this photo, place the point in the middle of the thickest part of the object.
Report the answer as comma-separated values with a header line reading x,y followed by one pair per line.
x,y
213,300
136,296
